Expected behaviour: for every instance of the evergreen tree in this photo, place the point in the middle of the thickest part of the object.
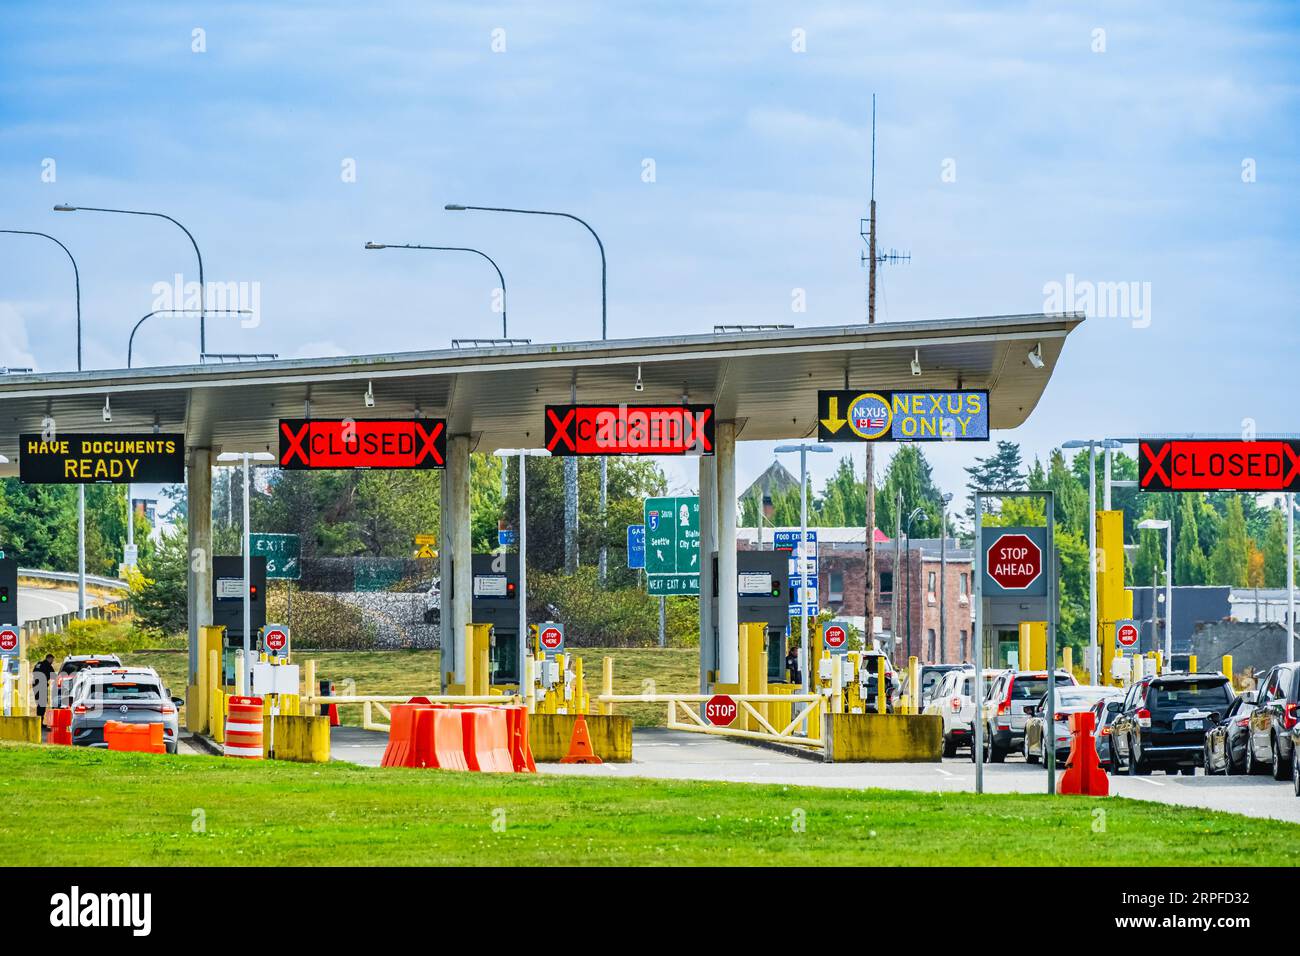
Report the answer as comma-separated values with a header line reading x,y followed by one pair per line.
x,y
1229,560
1275,551
1190,563
909,473
1001,471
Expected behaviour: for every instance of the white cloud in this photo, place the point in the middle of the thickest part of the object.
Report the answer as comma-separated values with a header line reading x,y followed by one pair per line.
x,y
15,350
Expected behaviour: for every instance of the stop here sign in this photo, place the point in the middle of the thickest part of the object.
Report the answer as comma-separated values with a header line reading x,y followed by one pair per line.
x,y
1013,561
8,640
720,710
275,638
551,637
1126,633
836,637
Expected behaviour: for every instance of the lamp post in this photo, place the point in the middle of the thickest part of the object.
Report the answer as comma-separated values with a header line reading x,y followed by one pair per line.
x,y
523,454
571,472
1158,524
203,296
81,489
943,573
803,448
504,333
247,457
1092,445
130,342
1290,576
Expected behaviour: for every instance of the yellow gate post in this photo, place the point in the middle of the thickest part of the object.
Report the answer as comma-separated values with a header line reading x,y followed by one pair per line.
x,y
1191,664
1067,659
607,683
1114,601
1033,644
1226,667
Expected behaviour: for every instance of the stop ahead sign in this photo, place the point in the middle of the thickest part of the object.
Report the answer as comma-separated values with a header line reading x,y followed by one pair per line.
x,y
8,640
836,637
1126,633
720,710
551,637
1014,561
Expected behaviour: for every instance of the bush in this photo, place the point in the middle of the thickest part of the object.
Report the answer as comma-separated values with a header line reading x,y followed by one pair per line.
x,y
618,617
321,621
98,637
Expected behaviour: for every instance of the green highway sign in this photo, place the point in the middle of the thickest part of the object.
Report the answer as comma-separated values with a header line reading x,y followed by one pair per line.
x,y
282,552
672,545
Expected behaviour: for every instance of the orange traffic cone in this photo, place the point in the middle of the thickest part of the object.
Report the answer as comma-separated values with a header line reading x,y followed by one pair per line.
x,y
580,744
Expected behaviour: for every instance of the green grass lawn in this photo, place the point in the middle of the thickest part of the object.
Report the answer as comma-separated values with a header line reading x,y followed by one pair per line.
x,y
137,809
673,670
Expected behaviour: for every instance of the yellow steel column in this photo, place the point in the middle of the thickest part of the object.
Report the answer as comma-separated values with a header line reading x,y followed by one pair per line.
x,y
1114,601
607,682
1067,659
1226,667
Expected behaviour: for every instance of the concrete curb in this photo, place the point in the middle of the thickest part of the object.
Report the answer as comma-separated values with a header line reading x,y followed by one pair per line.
x,y
206,744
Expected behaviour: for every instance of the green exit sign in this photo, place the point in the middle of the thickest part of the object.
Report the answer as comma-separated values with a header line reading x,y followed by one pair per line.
x,y
672,545
283,553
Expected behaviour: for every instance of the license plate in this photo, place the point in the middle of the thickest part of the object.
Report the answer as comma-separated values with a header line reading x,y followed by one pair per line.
x,y
1193,725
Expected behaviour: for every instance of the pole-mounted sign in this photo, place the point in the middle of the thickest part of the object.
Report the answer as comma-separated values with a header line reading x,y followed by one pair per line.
x,y
836,638
400,443
81,459
1126,634
8,640
1177,464
861,415
1013,561
275,638
629,430
550,637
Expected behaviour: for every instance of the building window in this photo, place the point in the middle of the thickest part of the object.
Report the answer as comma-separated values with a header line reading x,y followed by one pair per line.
x,y
836,593
886,582
963,644
929,586
965,584
933,655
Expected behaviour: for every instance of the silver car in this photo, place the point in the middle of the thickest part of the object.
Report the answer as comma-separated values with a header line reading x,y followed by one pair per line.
x,y
127,695
1069,700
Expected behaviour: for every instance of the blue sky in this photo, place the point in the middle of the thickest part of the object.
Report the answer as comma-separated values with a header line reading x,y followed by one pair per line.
x,y
1115,165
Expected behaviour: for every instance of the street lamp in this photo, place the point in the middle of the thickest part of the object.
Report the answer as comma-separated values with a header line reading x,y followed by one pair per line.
x,y
944,499
1092,445
130,342
504,333
81,489
522,454
570,465
802,563
1157,524
203,296
246,457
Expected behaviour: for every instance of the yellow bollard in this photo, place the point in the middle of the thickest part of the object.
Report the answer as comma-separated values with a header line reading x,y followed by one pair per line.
x,y
579,691
1226,667
1067,659
882,701
1135,673
1191,664
914,684
837,687
527,686
1160,662
607,682
23,691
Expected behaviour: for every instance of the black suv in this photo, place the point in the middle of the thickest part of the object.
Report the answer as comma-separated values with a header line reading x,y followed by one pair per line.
x,y
1268,742
1163,721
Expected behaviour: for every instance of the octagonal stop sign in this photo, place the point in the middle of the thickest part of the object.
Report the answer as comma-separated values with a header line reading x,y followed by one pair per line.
x,y
835,637
1014,561
720,710
1126,633
275,638
551,637
8,640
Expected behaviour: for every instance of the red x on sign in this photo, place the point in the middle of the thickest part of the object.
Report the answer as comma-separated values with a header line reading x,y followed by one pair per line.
x,y
1219,465
362,443
629,429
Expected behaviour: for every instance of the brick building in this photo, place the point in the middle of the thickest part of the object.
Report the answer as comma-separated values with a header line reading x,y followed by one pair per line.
x,y
841,562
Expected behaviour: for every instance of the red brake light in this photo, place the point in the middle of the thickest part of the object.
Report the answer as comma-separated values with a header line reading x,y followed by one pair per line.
x,y
1289,716
167,709
1005,706
956,704
79,709
1063,717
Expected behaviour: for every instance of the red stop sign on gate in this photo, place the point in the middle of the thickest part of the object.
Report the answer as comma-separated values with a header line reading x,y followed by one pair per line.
x,y
835,636
1126,635
720,710
276,639
9,640
551,638
1015,561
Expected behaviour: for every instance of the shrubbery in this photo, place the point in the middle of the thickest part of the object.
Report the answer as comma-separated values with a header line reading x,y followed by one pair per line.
x,y
99,637
623,617
321,621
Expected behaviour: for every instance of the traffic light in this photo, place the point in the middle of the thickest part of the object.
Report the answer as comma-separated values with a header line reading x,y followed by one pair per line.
x,y
8,590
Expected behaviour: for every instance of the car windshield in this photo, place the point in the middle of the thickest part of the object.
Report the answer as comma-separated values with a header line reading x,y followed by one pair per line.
x,y
1079,699
1211,694
1032,688
125,690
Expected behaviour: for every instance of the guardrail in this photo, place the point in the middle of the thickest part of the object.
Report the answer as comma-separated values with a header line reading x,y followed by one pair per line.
x,y
70,577
57,623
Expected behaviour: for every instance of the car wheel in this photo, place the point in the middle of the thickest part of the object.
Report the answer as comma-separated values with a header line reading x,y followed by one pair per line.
x,y
949,746
1295,775
1279,765
1135,765
1189,771
1207,760
1115,765
1252,765
996,754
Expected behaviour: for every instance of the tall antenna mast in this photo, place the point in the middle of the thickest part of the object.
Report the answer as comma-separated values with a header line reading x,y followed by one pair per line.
x,y
867,229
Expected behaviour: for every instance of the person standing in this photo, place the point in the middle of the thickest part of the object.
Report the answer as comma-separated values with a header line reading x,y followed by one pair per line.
x,y
42,680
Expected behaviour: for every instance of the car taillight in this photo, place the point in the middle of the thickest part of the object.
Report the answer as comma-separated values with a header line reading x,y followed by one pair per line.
x,y
79,709
166,709
1063,717
1243,721
1144,717
1289,716
955,703
1005,706
1105,731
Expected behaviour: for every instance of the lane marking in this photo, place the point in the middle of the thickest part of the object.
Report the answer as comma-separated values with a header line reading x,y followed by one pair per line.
x,y
944,772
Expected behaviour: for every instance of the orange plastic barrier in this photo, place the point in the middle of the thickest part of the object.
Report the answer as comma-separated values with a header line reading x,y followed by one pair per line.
x,y
244,727
580,750
439,739
134,738
485,739
400,751
1083,773
521,754
59,720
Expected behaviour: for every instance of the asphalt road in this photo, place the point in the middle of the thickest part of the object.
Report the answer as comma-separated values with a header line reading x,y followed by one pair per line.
x,y
35,603
667,754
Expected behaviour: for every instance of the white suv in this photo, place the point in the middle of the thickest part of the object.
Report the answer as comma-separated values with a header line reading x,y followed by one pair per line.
x,y
952,701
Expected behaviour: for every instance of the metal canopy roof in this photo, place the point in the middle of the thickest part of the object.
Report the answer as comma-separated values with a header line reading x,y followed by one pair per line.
x,y
765,380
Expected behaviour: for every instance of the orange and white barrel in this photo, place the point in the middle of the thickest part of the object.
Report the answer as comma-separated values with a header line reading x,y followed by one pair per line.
x,y
244,727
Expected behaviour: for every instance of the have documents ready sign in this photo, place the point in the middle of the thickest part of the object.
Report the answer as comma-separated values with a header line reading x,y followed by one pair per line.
x,y
80,459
